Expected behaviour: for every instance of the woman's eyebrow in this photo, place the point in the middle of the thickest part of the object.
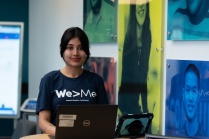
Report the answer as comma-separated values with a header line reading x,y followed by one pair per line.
x,y
69,44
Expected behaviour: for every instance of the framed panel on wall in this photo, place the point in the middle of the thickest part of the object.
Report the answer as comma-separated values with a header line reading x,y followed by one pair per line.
x,y
140,58
100,20
188,20
187,98
106,68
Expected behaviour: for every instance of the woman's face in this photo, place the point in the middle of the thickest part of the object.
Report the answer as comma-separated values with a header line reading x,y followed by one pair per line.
x,y
74,55
141,10
193,5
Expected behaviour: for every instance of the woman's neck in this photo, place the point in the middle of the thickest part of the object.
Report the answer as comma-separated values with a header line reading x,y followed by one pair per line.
x,y
72,72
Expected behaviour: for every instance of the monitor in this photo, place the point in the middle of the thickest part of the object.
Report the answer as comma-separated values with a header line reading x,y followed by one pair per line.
x,y
29,105
11,45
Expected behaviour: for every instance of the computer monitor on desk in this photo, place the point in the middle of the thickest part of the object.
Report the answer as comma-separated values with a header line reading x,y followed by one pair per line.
x,y
29,105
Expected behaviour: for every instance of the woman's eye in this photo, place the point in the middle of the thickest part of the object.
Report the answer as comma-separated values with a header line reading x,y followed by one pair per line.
x,y
70,48
80,48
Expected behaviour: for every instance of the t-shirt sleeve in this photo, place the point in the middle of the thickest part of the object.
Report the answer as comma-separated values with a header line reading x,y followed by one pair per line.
x,y
102,94
44,96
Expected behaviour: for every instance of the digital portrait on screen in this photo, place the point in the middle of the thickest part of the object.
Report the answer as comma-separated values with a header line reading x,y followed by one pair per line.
x,y
139,58
105,67
188,20
100,20
187,98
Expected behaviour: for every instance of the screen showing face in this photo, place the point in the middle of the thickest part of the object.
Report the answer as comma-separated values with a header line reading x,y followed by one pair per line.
x,y
10,72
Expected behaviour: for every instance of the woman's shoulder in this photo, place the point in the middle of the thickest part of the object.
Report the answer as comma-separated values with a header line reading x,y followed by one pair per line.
x,y
51,74
91,74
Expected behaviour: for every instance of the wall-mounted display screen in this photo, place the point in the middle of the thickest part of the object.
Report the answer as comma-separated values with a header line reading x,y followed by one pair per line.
x,y
100,20
11,38
188,20
187,98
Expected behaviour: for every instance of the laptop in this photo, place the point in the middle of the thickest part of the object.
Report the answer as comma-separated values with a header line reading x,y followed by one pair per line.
x,y
152,136
86,121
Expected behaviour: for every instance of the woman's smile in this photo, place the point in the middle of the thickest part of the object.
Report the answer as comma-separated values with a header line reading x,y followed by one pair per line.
x,y
141,12
76,59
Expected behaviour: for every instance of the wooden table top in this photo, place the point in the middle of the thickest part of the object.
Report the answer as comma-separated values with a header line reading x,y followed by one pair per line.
x,y
46,136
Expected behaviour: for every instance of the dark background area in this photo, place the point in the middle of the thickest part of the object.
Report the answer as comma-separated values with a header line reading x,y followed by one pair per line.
x,y
16,11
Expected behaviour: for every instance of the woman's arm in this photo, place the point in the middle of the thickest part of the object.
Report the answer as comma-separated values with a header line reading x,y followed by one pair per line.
x,y
44,122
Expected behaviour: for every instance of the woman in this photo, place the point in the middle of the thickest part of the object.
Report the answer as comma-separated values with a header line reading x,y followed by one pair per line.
x,y
70,85
135,60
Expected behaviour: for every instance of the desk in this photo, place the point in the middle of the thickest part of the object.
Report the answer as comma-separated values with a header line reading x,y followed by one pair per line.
x,y
46,136
37,136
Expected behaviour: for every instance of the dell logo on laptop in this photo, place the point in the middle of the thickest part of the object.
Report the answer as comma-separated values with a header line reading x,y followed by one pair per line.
x,y
86,123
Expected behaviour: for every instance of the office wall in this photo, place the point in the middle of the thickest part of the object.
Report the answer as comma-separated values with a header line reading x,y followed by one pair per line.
x,y
49,18
181,50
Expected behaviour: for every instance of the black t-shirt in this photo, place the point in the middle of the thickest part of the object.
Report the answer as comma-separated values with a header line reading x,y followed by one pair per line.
x,y
57,89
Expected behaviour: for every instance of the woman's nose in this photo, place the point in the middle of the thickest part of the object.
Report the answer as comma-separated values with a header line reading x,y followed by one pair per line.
x,y
75,51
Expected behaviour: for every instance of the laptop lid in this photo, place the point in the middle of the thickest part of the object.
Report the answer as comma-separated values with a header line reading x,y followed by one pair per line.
x,y
86,121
